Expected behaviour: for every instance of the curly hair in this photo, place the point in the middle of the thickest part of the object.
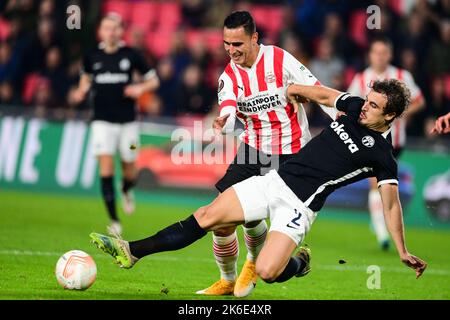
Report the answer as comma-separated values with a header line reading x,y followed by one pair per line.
x,y
397,94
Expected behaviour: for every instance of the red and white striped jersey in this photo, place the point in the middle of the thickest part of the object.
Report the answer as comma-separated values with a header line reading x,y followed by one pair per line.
x,y
259,96
360,87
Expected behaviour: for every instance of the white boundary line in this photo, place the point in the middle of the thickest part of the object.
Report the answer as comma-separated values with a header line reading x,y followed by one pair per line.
x,y
358,268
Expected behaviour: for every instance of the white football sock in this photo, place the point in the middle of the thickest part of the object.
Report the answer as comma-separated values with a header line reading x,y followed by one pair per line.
x,y
226,252
254,239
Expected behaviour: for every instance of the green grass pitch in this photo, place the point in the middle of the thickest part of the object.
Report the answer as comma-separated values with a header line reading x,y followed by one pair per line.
x,y
35,229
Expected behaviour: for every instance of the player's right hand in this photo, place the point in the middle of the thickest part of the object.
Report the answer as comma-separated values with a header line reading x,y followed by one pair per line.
x,y
442,124
415,263
78,95
219,122
339,114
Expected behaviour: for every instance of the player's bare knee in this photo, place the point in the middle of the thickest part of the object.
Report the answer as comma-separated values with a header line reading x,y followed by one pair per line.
x,y
267,272
207,217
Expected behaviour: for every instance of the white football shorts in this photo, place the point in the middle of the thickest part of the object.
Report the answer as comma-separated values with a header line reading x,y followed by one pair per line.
x,y
108,137
268,196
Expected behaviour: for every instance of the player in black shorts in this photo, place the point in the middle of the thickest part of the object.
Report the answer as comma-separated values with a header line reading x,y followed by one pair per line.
x,y
108,76
352,148
249,162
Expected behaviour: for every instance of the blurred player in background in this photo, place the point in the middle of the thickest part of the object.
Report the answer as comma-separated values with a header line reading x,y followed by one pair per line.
x,y
252,88
107,74
442,124
380,56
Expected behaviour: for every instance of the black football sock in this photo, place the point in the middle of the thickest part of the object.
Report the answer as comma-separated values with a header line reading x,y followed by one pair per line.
x,y
109,196
174,237
292,268
127,184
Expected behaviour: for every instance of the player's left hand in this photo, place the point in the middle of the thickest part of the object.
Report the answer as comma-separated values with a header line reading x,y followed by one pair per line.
x,y
415,263
442,125
133,91
296,100
339,114
219,123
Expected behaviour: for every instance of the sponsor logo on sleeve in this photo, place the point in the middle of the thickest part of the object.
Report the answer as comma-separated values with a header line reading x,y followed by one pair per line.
x,y
124,64
368,141
221,85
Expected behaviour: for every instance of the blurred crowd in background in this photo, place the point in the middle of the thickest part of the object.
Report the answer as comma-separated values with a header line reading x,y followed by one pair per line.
x,y
40,58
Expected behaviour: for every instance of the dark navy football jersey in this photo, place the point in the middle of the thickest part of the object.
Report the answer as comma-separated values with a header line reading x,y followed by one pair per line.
x,y
343,153
111,73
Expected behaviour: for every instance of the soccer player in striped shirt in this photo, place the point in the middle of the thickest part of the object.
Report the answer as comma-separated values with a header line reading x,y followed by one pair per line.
x,y
380,56
253,89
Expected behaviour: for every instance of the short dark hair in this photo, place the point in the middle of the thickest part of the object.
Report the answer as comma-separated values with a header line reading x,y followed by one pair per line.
x,y
240,19
397,94
384,40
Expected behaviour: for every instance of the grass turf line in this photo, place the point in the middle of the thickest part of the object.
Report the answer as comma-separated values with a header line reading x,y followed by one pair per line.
x,y
40,227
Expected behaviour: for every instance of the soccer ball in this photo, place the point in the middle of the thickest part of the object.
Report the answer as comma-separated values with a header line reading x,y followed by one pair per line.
x,y
76,270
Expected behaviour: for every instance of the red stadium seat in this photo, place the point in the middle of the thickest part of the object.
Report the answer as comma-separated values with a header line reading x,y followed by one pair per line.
x,y
261,16
447,85
30,85
127,36
275,19
5,29
213,38
169,16
269,19
121,7
192,36
349,74
357,30
144,14
396,6
159,42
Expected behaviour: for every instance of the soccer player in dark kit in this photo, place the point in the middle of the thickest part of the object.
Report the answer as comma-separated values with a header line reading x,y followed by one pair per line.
x,y
353,147
107,74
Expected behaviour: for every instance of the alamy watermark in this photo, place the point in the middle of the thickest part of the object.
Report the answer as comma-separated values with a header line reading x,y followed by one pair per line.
x,y
74,17
73,21
374,280
374,20
198,145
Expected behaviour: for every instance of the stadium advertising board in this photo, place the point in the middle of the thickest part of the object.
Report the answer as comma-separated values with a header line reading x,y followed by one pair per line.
x,y
43,156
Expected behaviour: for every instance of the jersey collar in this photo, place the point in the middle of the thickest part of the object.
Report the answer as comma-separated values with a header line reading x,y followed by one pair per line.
x,y
383,75
385,134
102,45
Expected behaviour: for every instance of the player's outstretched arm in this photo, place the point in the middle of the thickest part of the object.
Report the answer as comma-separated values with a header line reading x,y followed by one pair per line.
x,y
394,220
319,94
442,124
